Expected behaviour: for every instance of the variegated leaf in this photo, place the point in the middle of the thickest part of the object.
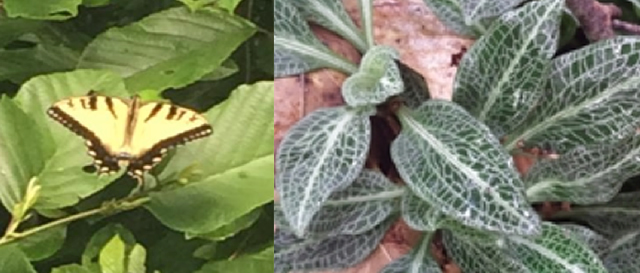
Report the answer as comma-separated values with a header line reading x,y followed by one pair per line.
x,y
296,49
418,261
416,90
591,98
376,81
623,254
451,14
419,214
451,160
584,175
499,78
474,10
332,15
598,243
321,154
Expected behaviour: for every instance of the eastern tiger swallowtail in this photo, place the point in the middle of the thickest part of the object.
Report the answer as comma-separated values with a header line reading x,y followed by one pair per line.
x,y
128,133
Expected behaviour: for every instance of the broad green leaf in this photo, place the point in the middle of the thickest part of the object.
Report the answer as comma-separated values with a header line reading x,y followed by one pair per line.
x,y
14,260
237,160
136,260
554,251
296,49
451,14
419,260
620,215
42,10
500,77
474,256
321,154
253,263
343,251
63,181
332,15
584,175
172,48
452,161
598,243
21,64
229,5
591,98
72,268
23,150
42,244
232,228
416,90
251,240
95,3
101,238
622,256
377,80
11,29
177,247
112,256
367,202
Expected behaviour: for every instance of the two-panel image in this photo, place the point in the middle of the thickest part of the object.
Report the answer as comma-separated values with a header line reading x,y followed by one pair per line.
x,y
375,136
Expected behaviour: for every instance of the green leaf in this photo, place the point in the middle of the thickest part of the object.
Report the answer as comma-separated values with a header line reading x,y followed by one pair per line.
x,y
418,261
235,161
419,214
451,14
525,40
42,10
229,5
112,256
473,256
591,98
333,16
169,49
23,150
232,228
42,244
565,179
377,80
474,11
13,260
180,251
100,239
137,257
21,64
343,251
554,251
62,179
322,153
367,202
452,161
253,263
72,268
598,243
622,256
416,90
11,29
296,49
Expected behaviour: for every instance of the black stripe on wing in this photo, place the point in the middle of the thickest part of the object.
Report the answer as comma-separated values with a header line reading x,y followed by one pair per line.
x,y
153,156
104,161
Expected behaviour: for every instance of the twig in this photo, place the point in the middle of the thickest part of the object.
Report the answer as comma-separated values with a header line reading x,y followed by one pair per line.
x,y
626,26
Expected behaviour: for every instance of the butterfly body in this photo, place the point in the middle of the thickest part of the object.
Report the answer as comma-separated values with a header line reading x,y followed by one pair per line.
x,y
128,133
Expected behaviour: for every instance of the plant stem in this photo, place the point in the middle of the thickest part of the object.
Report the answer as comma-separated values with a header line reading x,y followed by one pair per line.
x,y
123,204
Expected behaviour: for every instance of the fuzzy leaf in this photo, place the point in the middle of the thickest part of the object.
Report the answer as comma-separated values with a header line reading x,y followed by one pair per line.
x,y
376,81
294,254
363,205
323,153
418,261
168,49
584,175
518,46
452,161
296,49
591,98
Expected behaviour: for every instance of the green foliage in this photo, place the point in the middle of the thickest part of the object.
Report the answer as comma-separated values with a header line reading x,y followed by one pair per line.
x,y
514,90
214,192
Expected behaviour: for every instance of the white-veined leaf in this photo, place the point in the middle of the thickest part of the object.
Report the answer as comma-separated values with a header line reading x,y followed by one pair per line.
x,y
451,14
323,153
453,161
591,98
418,261
332,15
474,10
296,49
416,90
376,81
499,78
294,254
598,243
371,199
419,214
622,256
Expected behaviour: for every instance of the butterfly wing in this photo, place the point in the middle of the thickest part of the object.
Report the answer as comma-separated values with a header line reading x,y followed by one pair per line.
x,y
100,120
160,126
